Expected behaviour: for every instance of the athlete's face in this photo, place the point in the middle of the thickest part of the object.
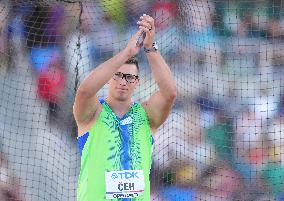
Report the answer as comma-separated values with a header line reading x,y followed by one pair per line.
x,y
123,82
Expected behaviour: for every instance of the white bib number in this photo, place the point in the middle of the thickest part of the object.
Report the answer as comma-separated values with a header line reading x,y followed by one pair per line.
x,y
124,184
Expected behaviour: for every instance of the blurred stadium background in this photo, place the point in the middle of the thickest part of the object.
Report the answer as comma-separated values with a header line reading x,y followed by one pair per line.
x,y
223,139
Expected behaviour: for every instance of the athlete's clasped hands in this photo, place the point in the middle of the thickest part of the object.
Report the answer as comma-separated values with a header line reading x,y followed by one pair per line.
x,y
144,36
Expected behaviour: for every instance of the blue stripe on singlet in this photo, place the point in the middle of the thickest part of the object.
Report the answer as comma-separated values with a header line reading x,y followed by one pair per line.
x,y
125,149
82,141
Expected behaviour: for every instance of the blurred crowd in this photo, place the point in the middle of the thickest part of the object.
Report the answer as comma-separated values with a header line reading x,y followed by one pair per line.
x,y
223,140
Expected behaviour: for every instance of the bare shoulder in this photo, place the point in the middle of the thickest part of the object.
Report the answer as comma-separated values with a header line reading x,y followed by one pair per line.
x,y
157,108
145,105
84,127
147,108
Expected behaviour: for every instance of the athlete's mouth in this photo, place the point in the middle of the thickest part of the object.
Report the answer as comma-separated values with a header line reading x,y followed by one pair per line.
x,y
122,89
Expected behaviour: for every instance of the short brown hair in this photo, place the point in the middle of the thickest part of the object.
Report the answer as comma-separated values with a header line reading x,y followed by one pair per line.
x,y
133,60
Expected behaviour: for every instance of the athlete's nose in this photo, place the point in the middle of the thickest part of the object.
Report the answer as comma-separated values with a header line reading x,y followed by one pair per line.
x,y
123,81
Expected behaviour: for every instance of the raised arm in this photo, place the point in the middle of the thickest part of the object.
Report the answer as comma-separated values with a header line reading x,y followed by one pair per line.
x,y
86,102
160,103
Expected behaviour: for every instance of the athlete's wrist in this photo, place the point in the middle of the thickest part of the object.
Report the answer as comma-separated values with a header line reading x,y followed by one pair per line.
x,y
127,54
153,48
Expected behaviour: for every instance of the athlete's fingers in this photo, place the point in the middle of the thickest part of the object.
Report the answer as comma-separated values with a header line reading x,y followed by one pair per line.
x,y
149,20
145,29
145,24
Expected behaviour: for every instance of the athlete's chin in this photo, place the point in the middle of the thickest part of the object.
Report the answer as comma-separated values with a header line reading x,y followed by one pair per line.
x,y
122,98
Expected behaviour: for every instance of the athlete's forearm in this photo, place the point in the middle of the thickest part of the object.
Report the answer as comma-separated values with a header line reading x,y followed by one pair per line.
x,y
102,74
162,75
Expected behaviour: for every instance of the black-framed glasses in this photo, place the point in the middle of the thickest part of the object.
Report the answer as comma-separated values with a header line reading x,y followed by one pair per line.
x,y
128,77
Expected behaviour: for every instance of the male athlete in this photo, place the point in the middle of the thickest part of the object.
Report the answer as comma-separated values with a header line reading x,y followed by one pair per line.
x,y
115,134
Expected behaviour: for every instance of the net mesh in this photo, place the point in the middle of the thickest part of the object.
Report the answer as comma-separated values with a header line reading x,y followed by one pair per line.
x,y
223,139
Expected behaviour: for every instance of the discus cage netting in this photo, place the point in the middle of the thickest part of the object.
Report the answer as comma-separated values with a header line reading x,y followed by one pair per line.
x,y
223,139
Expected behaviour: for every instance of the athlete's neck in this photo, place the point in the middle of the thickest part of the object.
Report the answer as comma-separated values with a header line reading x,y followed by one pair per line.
x,y
120,108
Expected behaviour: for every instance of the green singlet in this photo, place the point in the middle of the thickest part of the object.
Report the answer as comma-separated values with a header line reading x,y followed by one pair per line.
x,y
116,157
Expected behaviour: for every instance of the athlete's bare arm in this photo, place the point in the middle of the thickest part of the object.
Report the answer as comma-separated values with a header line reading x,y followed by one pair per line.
x,y
160,103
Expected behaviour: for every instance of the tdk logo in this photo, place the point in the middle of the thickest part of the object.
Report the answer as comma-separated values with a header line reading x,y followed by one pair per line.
x,y
114,176
125,175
